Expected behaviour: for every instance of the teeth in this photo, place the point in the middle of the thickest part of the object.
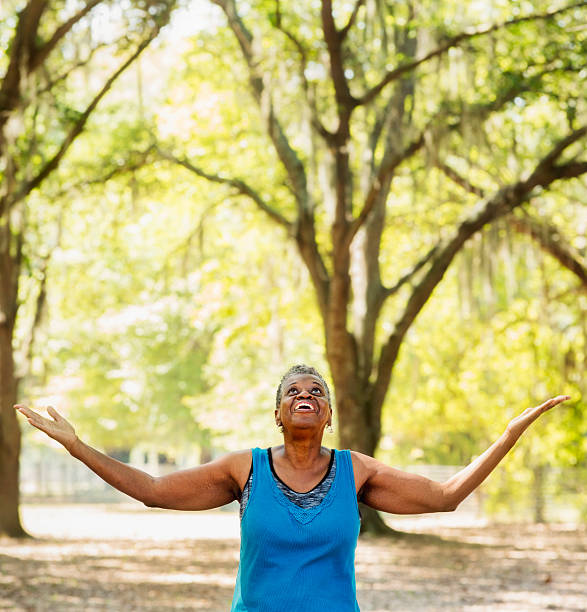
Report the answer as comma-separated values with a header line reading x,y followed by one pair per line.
x,y
304,405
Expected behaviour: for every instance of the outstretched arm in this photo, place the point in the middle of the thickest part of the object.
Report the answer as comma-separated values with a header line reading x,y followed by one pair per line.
x,y
207,486
385,488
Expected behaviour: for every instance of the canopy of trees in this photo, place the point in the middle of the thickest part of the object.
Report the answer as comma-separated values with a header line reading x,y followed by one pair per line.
x,y
61,60
390,191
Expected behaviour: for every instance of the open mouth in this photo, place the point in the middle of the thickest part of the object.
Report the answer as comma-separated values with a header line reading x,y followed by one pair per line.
x,y
304,407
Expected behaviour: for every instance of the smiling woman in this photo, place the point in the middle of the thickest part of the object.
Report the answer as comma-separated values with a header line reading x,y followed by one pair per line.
x,y
299,513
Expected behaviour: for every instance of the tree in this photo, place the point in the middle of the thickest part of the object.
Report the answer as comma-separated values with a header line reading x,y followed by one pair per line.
x,y
533,331
129,372
354,101
44,107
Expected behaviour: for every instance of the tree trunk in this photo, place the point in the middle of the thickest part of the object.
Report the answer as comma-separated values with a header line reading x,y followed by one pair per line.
x,y
359,434
539,497
10,261
9,439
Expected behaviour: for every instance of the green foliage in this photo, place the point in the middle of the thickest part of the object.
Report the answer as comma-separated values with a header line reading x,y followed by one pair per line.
x,y
175,305
263,305
471,364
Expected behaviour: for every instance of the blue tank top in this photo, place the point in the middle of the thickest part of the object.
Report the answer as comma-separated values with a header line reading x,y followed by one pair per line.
x,y
295,559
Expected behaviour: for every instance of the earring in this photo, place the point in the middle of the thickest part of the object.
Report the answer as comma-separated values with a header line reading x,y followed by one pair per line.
x,y
329,428
280,427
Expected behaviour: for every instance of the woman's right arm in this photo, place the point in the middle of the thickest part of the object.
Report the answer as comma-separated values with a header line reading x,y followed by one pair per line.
x,y
207,486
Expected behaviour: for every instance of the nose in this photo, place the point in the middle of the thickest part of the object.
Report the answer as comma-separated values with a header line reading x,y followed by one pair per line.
x,y
303,395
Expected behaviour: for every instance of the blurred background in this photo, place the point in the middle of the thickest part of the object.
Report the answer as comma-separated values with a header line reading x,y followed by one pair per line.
x,y
196,196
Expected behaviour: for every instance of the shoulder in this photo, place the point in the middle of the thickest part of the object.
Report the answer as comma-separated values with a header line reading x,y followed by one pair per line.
x,y
232,467
364,468
239,456
237,465
235,461
364,463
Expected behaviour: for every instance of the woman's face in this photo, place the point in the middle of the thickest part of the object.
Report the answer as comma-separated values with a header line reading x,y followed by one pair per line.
x,y
304,403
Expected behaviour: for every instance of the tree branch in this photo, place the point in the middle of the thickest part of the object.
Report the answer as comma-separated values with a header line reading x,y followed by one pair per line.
x,y
241,187
64,75
391,160
454,41
343,203
552,241
78,126
503,202
303,229
41,53
289,158
310,99
545,234
305,236
548,161
333,39
388,291
139,161
21,47
344,32
461,181
29,342
25,54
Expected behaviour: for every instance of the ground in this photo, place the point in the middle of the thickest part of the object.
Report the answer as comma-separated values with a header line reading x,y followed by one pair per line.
x,y
123,558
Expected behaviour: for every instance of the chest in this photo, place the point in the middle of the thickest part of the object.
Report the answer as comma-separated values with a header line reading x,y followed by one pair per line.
x,y
273,521
326,498
300,480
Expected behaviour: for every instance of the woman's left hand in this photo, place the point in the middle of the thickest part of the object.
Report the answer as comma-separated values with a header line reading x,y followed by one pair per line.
x,y
517,426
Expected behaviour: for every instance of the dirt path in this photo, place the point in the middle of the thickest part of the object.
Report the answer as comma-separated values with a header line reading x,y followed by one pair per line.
x,y
123,558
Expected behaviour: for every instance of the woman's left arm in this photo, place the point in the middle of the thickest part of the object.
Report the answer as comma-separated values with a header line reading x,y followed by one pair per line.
x,y
391,490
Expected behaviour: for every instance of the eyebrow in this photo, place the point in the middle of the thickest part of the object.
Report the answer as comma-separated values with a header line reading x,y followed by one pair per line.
x,y
295,384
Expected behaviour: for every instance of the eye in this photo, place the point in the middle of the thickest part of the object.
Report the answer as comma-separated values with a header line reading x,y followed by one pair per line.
x,y
317,390
292,391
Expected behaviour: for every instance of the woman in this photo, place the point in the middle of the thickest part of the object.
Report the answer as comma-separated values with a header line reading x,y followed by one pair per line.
x,y
299,513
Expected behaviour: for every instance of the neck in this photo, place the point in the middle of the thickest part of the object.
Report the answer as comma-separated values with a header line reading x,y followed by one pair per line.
x,y
302,451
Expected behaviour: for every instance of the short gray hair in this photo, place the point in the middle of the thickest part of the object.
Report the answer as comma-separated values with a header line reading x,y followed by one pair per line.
x,y
300,368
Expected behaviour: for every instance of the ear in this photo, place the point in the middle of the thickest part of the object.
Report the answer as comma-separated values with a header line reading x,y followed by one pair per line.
x,y
277,418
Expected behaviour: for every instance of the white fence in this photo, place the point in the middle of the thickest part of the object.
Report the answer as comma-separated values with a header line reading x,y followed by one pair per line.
x,y
49,474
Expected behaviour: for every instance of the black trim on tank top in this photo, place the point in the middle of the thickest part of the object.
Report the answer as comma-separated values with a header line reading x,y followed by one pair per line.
x,y
269,454
247,480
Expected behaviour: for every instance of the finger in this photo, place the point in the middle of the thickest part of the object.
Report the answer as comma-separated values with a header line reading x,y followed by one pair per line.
x,y
35,419
25,410
559,399
554,401
54,413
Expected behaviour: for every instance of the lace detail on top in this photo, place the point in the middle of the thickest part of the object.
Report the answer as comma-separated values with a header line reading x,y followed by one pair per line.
x,y
309,499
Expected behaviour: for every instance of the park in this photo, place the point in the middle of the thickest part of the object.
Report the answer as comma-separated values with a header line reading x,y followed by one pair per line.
x,y
147,562
197,195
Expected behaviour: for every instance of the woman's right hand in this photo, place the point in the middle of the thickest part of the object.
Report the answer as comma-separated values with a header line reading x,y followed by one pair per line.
x,y
57,427
201,488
